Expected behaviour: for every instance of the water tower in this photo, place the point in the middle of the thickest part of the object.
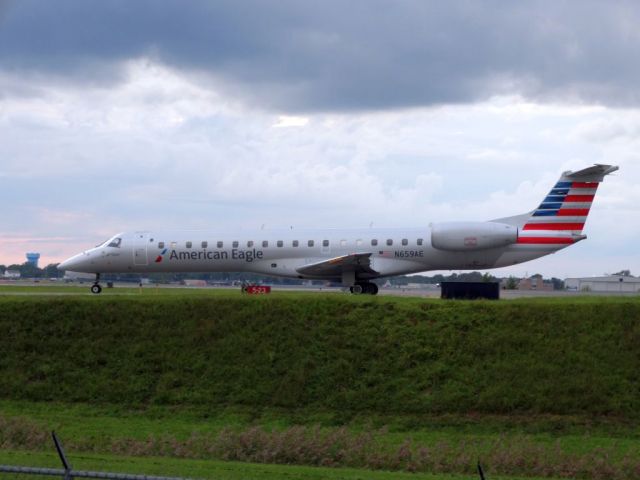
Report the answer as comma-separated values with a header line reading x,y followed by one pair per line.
x,y
33,258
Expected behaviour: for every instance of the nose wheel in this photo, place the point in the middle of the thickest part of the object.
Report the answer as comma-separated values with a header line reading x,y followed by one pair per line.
x,y
96,288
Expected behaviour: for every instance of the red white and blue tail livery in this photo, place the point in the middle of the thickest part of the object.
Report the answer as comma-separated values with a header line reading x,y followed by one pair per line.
x,y
560,218
355,257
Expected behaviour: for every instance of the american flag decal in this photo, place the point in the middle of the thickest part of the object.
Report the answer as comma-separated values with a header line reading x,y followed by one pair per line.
x,y
560,218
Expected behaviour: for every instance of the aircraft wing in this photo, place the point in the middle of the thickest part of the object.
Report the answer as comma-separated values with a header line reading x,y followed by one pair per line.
x,y
334,267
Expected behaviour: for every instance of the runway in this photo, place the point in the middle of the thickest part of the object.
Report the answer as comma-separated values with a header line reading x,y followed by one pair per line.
x,y
30,288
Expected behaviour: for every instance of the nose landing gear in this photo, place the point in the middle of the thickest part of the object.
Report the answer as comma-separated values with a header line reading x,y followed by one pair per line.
x,y
96,288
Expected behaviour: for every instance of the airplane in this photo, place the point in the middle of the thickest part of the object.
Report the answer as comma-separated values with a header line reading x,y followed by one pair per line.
x,y
355,257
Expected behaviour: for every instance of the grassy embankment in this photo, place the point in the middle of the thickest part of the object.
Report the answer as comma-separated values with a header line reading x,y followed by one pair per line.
x,y
526,384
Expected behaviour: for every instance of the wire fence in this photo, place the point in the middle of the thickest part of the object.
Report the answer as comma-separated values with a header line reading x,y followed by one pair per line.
x,y
68,473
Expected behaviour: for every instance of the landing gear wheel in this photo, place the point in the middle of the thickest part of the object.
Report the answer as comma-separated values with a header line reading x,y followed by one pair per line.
x,y
96,288
368,288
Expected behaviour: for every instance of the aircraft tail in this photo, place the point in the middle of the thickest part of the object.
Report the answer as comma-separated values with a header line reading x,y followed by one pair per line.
x,y
560,218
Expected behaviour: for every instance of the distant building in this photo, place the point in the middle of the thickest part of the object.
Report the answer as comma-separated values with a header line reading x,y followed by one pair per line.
x,y
415,286
608,283
195,283
535,282
33,258
508,283
12,274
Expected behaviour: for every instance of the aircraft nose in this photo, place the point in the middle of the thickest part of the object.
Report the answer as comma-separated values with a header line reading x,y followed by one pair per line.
x,y
73,264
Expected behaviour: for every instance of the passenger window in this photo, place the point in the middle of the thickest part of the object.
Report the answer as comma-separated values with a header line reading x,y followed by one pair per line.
x,y
250,244
389,242
419,242
343,243
295,243
235,244
280,243
405,241
115,242
188,244
220,244
204,244
325,243
374,242
265,244
160,244
359,242
174,244
310,243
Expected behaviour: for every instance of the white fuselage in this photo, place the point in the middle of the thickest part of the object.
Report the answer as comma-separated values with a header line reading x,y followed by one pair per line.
x,y
283,252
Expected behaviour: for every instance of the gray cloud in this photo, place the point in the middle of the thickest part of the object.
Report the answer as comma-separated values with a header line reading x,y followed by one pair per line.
x,y
337,56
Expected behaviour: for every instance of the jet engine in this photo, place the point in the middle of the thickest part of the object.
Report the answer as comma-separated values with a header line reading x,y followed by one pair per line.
x,y
468,236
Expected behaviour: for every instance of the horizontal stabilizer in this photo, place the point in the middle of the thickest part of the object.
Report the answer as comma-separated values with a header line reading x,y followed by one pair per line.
x,y
591,174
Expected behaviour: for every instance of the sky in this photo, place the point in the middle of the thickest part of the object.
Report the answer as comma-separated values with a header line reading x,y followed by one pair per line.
x,y
120,115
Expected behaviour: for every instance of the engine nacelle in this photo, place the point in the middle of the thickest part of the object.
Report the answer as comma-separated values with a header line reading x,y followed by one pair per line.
x,y
468,236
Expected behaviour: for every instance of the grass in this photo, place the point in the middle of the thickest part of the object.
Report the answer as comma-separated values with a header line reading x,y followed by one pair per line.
x,y
206,469
548,383
101,425
326,353
366,449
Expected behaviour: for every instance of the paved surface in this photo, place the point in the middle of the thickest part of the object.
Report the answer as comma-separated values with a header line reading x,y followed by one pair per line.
x,y
429,292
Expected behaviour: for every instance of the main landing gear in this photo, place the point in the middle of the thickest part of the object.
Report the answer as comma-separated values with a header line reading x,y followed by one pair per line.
x,y
368,288
96,288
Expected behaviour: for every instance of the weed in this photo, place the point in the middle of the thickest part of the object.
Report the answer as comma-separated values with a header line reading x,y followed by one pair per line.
x,y
315,446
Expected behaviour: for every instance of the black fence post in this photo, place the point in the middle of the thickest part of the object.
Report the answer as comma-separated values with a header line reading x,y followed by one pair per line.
x,y
63,457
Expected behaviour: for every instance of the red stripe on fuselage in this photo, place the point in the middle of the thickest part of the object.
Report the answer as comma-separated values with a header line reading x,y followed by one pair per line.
x,y
579,198
553,226
545,240
584,185
573,212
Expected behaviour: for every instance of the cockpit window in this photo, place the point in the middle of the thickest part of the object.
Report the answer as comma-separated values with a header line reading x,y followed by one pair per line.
x,y
115,242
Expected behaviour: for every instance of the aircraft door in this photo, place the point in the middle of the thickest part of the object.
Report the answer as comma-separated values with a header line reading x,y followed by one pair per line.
x,y
140,244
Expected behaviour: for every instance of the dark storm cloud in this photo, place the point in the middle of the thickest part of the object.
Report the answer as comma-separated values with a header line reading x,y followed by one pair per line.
x,y
331,55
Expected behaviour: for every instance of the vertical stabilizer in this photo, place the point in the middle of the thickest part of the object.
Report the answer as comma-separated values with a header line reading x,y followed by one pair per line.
x,y
559,220
566,207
